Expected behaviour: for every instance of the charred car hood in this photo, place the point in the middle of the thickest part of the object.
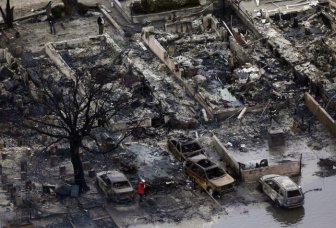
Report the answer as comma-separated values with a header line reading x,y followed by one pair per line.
x,y
123,190
222,181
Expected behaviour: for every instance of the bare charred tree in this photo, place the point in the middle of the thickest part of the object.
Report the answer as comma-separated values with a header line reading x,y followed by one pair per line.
x,y
71,111
8,16
71,7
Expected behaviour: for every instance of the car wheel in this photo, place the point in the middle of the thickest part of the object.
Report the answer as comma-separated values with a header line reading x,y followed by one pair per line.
x,y
259,187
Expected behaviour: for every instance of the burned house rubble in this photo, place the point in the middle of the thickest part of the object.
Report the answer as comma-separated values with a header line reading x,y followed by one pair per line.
x,y
210,68
203,105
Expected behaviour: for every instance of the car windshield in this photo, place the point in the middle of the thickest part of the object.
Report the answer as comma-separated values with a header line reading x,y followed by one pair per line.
x,y
214,173
293,193
122,184
190,147
205,163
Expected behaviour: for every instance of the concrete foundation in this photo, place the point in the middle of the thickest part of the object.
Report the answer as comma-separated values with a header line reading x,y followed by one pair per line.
x,y
160,52
224,154
320,113
120,9
53,49
111,20
155,46
290,168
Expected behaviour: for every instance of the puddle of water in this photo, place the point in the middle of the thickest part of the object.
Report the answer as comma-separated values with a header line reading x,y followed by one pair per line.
x,y
318,211
227,96
262,215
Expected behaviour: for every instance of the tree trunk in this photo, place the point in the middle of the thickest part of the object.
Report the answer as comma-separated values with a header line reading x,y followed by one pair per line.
x,y
77,164
70,7
8,17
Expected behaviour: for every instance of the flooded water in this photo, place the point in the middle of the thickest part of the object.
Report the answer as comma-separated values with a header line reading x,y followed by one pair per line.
x,y
319,209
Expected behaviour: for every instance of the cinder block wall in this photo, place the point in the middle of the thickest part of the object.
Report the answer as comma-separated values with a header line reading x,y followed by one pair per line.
x,y
287,169
320,113
224,154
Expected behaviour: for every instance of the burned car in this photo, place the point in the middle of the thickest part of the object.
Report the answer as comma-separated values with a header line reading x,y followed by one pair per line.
x,y
282,190
115,186
208,175
183,148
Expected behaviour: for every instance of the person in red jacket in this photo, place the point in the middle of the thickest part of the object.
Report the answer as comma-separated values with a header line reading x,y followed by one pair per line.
x,y
141,189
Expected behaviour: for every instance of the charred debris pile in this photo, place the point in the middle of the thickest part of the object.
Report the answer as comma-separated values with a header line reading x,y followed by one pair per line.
x,y
213,68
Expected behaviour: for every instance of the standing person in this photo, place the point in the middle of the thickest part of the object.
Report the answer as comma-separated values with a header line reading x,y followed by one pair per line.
x,y
141,190
52,21
100,22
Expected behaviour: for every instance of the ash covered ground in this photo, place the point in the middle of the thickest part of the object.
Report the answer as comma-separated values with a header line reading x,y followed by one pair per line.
x,y
262,81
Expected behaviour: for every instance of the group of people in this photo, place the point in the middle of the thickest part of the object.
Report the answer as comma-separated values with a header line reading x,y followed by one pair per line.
x,y
52,21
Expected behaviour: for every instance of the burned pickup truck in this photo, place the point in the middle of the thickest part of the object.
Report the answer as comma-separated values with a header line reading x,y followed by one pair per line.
x,y
208,175
202,171
183,148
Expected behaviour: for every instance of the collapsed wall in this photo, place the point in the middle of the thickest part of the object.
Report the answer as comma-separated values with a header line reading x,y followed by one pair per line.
x,y
6,57
184,26
52,49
